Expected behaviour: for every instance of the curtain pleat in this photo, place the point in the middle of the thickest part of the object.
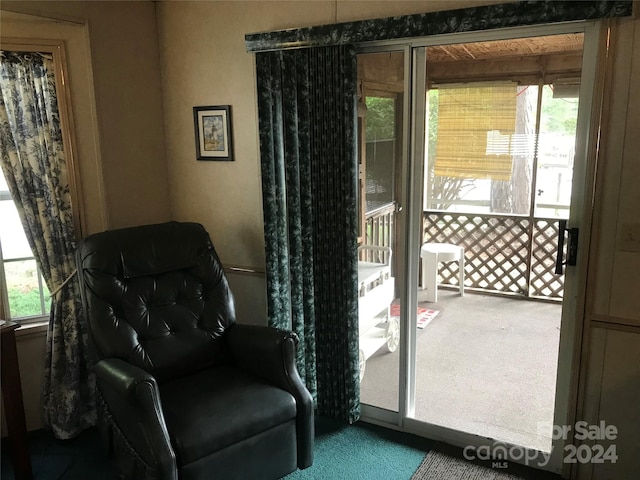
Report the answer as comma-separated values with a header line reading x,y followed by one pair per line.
x,y
307,112
272,161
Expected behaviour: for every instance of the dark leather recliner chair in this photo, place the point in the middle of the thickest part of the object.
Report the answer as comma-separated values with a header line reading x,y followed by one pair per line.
x,y
185,392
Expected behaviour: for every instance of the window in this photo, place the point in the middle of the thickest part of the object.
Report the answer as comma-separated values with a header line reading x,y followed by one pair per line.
x,y
381,148
26,292
501,125
482,145
380,132
24,295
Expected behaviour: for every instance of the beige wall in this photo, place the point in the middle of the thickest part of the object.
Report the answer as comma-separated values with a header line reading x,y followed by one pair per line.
x,y
129,101
204,62
125,175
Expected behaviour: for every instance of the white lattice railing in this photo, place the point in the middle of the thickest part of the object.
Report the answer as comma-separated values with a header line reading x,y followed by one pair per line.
x,y
503,253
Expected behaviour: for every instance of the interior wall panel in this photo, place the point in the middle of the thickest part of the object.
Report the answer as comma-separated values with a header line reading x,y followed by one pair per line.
x,y
618,96
612,396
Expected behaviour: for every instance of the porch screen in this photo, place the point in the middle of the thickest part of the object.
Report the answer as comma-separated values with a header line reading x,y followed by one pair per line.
x,y
476,127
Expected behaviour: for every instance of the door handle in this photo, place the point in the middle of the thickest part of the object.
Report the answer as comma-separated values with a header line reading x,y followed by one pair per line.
x,y
572,246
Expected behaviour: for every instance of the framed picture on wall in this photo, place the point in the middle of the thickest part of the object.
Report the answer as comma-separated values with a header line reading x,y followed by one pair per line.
x,y
213,132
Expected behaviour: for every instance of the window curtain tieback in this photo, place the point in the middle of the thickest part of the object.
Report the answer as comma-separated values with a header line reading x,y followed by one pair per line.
x,y
66,280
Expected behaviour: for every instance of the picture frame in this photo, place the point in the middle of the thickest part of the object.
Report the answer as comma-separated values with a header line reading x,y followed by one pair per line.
x,y
213,133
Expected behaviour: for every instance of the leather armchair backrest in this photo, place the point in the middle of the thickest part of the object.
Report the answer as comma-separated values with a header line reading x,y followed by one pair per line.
x,y
156,296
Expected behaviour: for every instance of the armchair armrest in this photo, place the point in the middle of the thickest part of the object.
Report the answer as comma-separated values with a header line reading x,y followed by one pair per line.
x,y
132,396
269,353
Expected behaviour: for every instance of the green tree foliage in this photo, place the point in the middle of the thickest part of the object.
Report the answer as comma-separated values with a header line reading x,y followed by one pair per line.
x,y
559,115
24,303
380,118
433,104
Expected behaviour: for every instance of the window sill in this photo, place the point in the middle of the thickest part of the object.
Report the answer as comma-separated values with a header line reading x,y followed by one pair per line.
x,y
32,328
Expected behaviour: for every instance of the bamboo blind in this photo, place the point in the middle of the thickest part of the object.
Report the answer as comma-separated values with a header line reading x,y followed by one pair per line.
x,y
475,128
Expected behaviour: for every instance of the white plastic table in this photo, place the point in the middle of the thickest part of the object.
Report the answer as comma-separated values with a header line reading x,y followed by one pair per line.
x,y
433,253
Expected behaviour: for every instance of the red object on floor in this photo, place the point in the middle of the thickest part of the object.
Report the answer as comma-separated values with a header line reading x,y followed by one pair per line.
x,y
424,316
395,311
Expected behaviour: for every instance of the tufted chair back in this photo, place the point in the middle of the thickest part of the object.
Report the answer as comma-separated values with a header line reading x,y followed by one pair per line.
x,y
156,297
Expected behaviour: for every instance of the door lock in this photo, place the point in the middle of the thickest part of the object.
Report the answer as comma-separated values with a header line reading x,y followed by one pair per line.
x,y
572,246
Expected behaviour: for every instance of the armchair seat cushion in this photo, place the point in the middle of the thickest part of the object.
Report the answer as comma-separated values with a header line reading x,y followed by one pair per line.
x,y
218,407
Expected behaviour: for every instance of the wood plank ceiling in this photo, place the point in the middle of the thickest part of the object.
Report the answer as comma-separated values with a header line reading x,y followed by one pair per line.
x,y
524,60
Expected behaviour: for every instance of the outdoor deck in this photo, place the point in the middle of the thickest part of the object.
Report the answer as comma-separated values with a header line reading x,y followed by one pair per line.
x,y
486,365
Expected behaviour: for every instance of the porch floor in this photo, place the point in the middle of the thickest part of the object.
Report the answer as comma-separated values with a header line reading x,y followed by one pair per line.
x,y
485,365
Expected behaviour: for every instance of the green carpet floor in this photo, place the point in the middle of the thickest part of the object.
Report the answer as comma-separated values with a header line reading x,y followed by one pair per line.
x,y
362,452
81,458
359,451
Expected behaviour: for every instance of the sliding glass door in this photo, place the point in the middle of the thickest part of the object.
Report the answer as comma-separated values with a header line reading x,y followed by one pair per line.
x,y
490,170
382,119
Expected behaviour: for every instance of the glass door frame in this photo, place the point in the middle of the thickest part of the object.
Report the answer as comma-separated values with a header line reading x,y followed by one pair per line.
x,y
414,120
372,413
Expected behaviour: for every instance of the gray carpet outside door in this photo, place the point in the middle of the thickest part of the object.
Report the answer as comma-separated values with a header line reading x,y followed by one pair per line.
x,y
439,466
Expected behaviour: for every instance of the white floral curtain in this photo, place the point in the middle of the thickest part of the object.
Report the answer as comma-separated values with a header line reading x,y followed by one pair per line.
x,y
34,165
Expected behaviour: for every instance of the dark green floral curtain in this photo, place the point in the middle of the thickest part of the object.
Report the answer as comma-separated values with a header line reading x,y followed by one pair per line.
x,y
307,114
34,165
